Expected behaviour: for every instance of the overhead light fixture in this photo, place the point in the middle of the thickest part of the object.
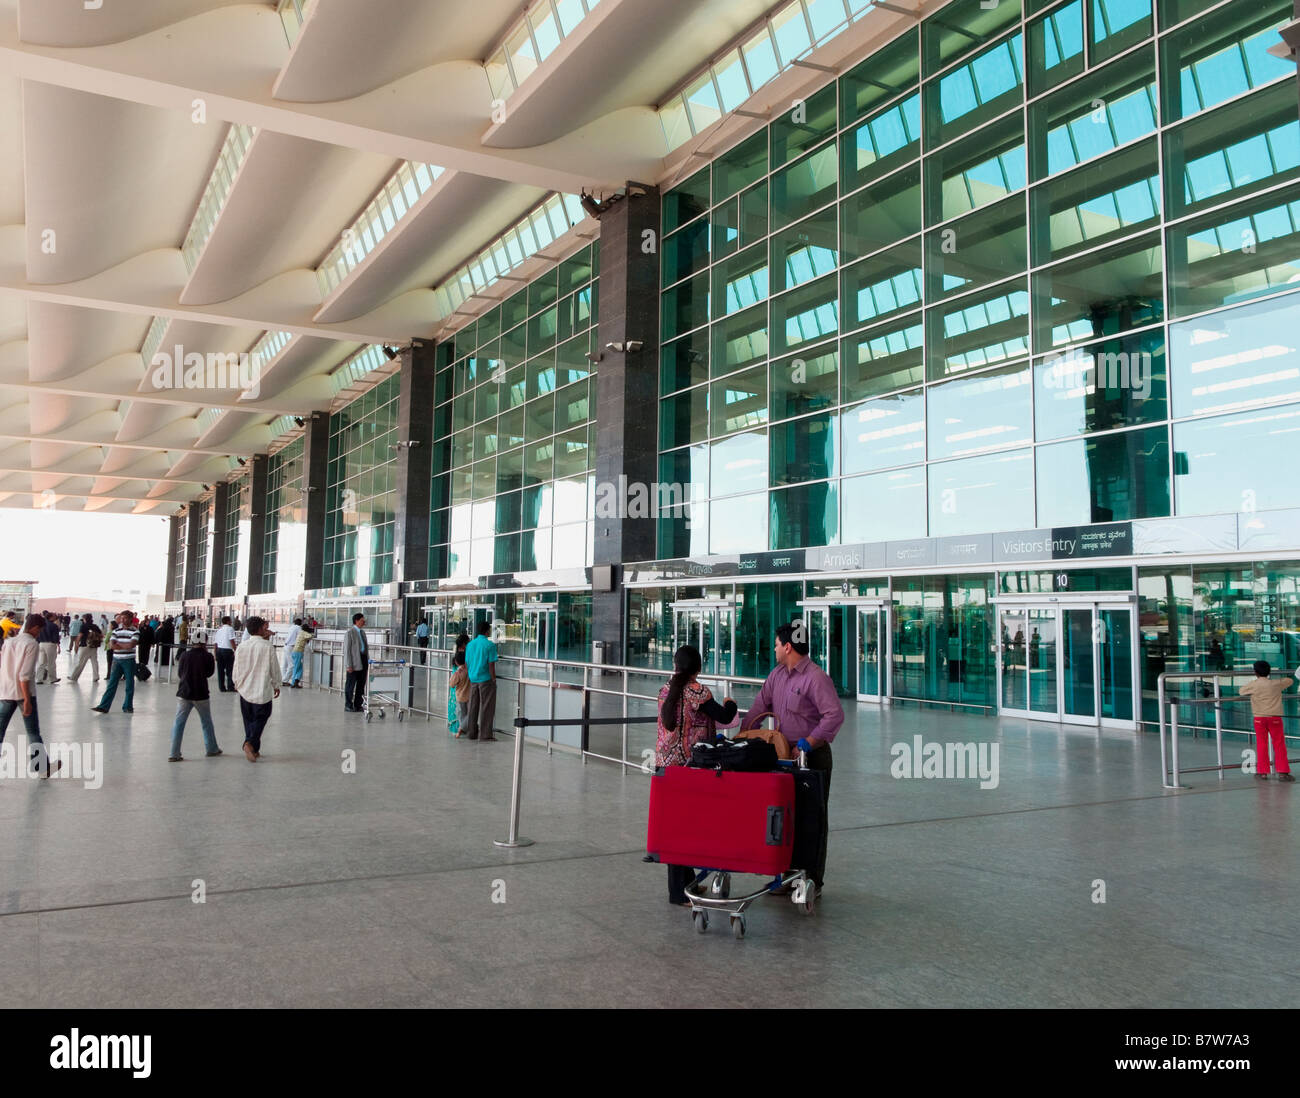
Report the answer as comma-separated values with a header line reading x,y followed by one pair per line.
x,y
300,421
207,488
596,208
390,352
634,345
242,461
631,346
593,358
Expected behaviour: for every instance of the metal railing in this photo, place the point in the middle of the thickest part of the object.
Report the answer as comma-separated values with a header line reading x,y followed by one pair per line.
x,y
1170,771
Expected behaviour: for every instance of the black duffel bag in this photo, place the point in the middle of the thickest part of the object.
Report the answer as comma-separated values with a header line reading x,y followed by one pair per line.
x,y
142,672
724,754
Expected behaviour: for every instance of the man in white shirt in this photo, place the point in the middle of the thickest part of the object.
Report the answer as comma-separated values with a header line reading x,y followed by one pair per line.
x,y
286,653
226,645
17,672
257,679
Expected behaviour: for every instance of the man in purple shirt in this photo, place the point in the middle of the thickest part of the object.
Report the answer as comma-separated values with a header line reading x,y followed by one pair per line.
x,y
804,700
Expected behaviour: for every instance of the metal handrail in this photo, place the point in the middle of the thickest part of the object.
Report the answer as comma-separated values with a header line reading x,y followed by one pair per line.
x,y
1168,778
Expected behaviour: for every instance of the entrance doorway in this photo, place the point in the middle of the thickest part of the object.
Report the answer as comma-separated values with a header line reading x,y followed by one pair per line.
x,y
707,624
436,617
1067,661
540,631
850,639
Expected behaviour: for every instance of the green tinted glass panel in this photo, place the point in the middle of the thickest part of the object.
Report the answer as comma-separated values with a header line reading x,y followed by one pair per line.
x,y
977,250
1106,478
1236,254
885,357
685,201
1099,294
881,285
510,428
740,166
686,251
487,400
980,329
684,362
509,516
1096,203
489,325
885,141
962,26
804,186
684,418
884,506
740,221
805,515
539,417
965,98
738,402
739,340
1221,55
541,375
887,72
1115,26
804,251
1090,117
989,492
1217,461
1234,360
1119,382
572,406
882,213
803,126
884,432
1226,154
986,411
738,524
804,449
576,270
571,362
738,464
571,453
803,383
740,282
684,307
986,166
1055,47
541,331
514,310
805,315
542,291
514,349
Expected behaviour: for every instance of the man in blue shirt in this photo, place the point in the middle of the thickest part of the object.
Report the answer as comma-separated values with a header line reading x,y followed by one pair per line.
x,y
422,639
481,663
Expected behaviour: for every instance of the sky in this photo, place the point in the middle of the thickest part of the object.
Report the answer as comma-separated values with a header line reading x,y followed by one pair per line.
x,y
74,553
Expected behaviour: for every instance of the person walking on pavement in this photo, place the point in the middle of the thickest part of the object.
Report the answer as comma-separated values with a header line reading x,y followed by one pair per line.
x,y
805,702
257,678
481,663
356,658
226,646
89,638
17,670
193,669
122,642
47,667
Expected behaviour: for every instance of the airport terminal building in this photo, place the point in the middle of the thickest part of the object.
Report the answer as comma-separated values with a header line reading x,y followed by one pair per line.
x,y
970,342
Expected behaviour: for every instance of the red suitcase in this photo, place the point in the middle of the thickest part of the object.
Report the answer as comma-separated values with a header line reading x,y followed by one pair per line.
x,y
722,819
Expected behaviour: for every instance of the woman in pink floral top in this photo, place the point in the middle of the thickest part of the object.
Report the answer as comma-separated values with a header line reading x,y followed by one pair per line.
x,y
687,715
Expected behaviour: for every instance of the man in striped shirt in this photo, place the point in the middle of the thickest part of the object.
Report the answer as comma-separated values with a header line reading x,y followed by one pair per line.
x,y
122,644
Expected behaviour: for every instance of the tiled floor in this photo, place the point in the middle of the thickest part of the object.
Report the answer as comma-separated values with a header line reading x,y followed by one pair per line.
x,y
377,887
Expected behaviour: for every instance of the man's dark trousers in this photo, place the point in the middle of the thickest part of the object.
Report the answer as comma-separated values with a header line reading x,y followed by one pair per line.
x,y
821,760
355,687
255,718
225,668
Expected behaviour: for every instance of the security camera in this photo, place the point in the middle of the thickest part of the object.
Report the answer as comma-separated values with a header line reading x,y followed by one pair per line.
x,y
617,348
634,345
594,358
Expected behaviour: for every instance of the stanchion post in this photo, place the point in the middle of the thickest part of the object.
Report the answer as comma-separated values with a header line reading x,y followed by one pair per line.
x,y
1173,742
516,783
1218,724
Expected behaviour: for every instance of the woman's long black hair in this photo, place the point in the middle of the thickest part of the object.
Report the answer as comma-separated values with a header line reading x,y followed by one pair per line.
x,y
686,665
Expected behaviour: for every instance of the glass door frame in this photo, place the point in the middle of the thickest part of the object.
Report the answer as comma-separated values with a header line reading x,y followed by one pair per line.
x,y
859,605
1096,602
721,615
531,612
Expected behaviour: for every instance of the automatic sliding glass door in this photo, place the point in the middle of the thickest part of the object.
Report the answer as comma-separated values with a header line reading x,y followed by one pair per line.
x,y
708,627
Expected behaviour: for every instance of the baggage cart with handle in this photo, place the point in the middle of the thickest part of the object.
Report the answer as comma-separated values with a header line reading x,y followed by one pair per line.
x,y
384,688
730,822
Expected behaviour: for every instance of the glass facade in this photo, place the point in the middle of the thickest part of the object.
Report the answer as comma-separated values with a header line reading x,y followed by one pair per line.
x,y
196,580
232,535
284,538
361,489
1015,269
514,431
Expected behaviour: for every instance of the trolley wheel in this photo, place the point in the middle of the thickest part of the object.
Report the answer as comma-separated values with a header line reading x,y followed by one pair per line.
x,y
383,714
400,715
368,715
738,926
721,885
808,901
701,921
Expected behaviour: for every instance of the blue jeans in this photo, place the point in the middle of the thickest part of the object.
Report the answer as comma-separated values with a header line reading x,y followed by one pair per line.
x,y
120,669
297,668
32,723
205,719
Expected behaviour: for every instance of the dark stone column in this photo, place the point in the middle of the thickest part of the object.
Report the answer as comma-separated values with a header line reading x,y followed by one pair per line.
x,y
194,533
315,461
256,523
174,564
627,393
414,473
220,501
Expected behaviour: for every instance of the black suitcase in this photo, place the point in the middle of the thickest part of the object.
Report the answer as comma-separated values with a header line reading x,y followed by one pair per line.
x,y
810,822
142,672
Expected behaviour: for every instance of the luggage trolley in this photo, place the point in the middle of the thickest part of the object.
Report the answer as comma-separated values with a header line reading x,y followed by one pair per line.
x,y
682,842
384,688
